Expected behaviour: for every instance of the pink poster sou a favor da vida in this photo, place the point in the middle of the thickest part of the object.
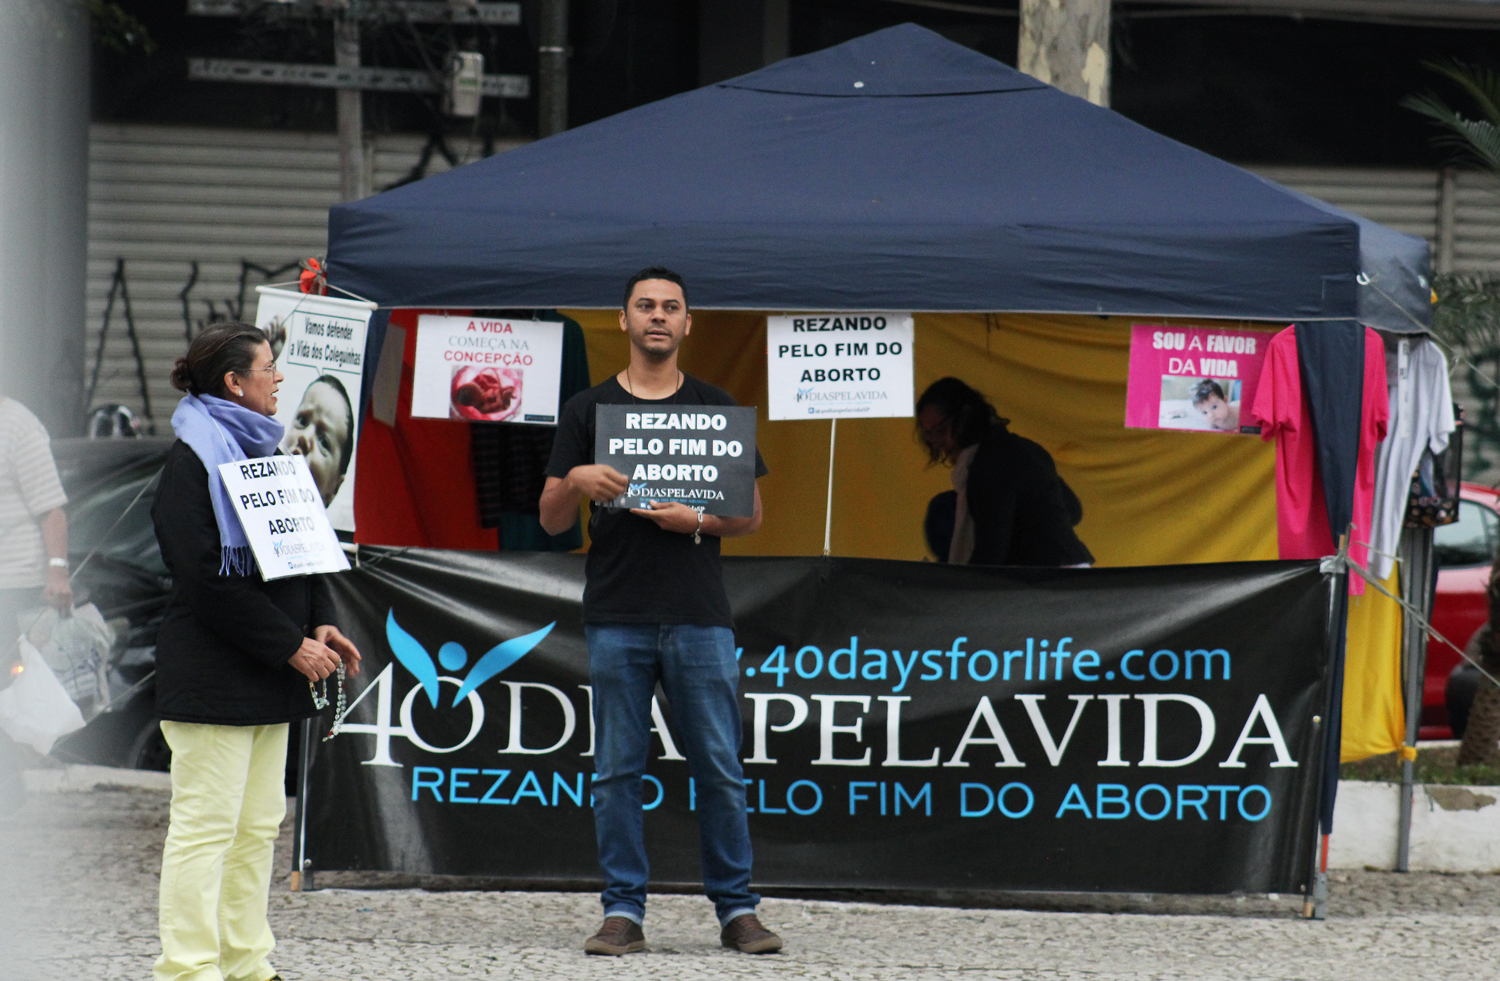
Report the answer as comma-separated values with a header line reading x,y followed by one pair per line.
x,y
1198,379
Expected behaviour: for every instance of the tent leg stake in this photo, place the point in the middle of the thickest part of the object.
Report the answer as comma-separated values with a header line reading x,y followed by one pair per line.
x,y
1317,908
833,432
1403,817
1320,898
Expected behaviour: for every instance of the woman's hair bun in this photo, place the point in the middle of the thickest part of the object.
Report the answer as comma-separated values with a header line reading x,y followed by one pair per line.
x,y
182,375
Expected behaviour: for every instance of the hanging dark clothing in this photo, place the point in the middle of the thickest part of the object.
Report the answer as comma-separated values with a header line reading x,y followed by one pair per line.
x,y
1023,511
510,458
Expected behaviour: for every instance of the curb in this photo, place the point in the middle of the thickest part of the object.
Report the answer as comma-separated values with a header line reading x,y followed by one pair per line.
x,y
1453,829
77,778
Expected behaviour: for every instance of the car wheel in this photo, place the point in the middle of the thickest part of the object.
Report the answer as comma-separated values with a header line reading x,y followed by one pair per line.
x,y
149,750
1458,694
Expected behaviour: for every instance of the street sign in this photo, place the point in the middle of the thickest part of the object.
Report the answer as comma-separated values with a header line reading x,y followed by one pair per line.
x,y
409,11
360,77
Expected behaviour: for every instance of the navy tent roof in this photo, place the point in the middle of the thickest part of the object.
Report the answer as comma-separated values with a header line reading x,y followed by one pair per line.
x,y
896,171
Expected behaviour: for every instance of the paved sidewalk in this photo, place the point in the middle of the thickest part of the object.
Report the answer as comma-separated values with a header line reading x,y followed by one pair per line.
x,y
78,890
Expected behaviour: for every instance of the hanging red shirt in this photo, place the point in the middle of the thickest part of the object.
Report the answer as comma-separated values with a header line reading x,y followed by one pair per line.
x,y
1282,410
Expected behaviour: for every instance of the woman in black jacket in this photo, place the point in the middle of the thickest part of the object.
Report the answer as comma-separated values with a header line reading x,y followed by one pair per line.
x,y
1010,506
236,660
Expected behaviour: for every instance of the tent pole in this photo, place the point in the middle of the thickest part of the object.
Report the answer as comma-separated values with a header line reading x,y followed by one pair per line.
x,y
833,432
1416,583
1315,890
302,868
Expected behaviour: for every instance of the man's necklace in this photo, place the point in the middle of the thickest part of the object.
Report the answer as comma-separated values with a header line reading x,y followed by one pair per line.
x,y
630,387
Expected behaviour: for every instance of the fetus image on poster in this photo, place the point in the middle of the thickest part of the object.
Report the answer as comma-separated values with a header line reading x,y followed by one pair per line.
x,y
486,394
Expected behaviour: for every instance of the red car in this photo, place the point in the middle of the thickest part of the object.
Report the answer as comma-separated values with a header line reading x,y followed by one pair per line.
x,y
1464,551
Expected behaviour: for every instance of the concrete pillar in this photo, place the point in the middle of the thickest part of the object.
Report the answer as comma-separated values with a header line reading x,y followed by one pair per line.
x,y
739,36
44,150
1066,43
552,68
351,114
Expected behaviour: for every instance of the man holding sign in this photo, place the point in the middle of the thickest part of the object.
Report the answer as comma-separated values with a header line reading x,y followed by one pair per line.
x,y
655,610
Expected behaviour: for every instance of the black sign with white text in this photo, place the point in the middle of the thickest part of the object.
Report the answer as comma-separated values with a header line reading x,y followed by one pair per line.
x,y
701,456
905,725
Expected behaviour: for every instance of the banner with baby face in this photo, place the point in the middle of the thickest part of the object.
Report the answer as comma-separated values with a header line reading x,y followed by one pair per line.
x,y
1193,378
319,345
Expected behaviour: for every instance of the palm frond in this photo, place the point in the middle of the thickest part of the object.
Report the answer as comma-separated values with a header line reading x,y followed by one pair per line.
x,y
1481,83
1466,317
1476,138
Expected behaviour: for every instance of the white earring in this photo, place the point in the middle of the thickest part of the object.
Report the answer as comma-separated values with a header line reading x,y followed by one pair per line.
x,y
239,391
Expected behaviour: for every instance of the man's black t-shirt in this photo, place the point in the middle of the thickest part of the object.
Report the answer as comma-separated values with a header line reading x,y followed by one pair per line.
x,y
637,572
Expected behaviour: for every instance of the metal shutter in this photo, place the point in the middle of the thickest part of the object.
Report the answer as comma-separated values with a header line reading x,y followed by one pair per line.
x,y
241,205
1406,200
1476,224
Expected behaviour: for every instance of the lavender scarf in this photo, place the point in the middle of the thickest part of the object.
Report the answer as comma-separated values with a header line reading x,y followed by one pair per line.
x,y
220,431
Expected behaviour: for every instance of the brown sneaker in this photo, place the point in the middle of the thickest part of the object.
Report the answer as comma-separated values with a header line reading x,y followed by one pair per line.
x,y
746,934
617,936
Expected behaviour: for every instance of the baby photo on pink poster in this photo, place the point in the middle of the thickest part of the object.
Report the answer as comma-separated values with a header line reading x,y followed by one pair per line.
x,y
1202,404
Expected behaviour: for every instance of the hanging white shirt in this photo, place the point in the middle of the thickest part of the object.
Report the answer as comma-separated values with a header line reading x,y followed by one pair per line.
x,y
1421,419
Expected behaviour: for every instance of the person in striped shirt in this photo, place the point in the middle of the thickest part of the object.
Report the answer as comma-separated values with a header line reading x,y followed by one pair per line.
x,y
34,556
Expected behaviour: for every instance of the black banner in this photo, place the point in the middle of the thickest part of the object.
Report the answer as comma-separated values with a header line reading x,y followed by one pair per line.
x,y
906,725
702,456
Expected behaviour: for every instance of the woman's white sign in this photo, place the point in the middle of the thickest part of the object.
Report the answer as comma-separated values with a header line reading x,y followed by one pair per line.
x,y
282,513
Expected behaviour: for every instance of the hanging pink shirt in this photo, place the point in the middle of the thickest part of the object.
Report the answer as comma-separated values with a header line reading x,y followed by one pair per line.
x,y
1282,410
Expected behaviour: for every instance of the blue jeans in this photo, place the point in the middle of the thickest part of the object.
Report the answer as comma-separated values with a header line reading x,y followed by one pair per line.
x,y
698,672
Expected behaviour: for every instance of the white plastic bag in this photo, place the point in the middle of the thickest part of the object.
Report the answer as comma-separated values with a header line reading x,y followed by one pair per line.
x,y
77,649
36,709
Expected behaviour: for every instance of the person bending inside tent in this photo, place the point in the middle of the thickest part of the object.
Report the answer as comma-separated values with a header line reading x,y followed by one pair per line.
x,y
1008,505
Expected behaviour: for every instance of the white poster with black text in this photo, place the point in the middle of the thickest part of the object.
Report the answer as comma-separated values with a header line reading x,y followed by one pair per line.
x,y
319,345
281,509
835,365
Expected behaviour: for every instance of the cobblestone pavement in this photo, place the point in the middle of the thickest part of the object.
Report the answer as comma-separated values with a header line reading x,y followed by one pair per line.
x,y
78,882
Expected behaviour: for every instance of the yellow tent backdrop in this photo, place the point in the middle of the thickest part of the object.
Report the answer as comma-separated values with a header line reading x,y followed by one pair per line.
x,y
1149,497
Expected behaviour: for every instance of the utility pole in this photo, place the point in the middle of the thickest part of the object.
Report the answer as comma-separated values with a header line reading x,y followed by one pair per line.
x,y
44,157
462,86
552,68
351,116
1066,43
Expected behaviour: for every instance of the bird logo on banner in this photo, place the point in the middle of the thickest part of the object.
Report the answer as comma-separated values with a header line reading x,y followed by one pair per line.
x,y
452,657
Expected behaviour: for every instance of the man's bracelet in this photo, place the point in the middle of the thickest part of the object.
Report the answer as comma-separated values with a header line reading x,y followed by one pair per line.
x,y
57,563
698,532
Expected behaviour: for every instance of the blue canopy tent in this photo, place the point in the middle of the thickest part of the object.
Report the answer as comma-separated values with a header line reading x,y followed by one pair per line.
x,y
896,171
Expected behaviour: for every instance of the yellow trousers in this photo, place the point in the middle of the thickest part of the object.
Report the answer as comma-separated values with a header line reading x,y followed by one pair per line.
x,y
228,801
